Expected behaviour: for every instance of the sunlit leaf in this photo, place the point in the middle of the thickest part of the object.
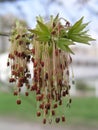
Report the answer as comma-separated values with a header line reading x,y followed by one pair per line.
x,y
43,38
43,28
65,41
77,33
65,48
35,31
81,39
76,26
64,45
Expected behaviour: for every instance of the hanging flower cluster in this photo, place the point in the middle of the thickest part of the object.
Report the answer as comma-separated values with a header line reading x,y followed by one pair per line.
x,y
50,55
18,60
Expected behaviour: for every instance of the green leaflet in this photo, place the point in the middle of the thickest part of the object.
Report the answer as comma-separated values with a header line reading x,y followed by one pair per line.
x,y
81,38
77,33
43,38
75,27
40,18
40,35
37,32
63,33
43,28
79,29
64,43
65,48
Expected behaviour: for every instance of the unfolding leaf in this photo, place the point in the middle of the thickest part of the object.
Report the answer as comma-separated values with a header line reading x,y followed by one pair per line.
x,y
81,39
43,28
64,45
77,33
65,41
37,32
43,38
76,26
65,48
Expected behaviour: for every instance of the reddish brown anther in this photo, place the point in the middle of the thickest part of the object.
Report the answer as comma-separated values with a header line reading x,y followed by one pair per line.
x,y
38,97
55,106
60,102
53,32
17,37
38,114
63,118
64,93
53,112
42,63
47,106
8,63
38,91
20,42
26,94
32,59
70,100
44,121
60,82
35,64
46,76
56,52
15,93
33,51
41,106
11,80
18,101
57,120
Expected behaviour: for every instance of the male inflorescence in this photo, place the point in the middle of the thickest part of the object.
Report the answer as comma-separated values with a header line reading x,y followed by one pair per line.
x,y
50,80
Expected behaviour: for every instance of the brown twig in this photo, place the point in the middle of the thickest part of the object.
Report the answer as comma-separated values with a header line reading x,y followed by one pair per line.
x,y
8,34
4,34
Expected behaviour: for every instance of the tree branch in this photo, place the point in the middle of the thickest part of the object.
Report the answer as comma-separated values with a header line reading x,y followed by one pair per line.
x,y
4,34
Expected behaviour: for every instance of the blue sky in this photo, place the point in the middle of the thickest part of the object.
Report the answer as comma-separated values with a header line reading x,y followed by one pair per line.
x,y
71,10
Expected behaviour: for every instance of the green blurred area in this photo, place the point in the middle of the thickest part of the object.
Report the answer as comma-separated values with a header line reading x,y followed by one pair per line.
x,y
83,110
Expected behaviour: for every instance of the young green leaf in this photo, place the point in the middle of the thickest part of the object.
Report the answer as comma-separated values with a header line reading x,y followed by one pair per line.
x,y
37,32
43,28
75,26
65,41
81,38
43,38
40,35
63,44
65,48
77,33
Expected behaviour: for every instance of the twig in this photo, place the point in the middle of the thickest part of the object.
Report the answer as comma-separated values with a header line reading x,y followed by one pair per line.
x,y
8,34
4,34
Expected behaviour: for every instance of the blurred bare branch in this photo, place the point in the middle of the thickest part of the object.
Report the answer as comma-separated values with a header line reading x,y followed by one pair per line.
x,y
82,1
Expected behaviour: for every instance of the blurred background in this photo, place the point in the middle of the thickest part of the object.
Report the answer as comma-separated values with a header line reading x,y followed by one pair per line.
x,y
83,114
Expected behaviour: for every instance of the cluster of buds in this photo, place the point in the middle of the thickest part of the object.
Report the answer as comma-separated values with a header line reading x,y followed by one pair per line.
x,y
18,60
